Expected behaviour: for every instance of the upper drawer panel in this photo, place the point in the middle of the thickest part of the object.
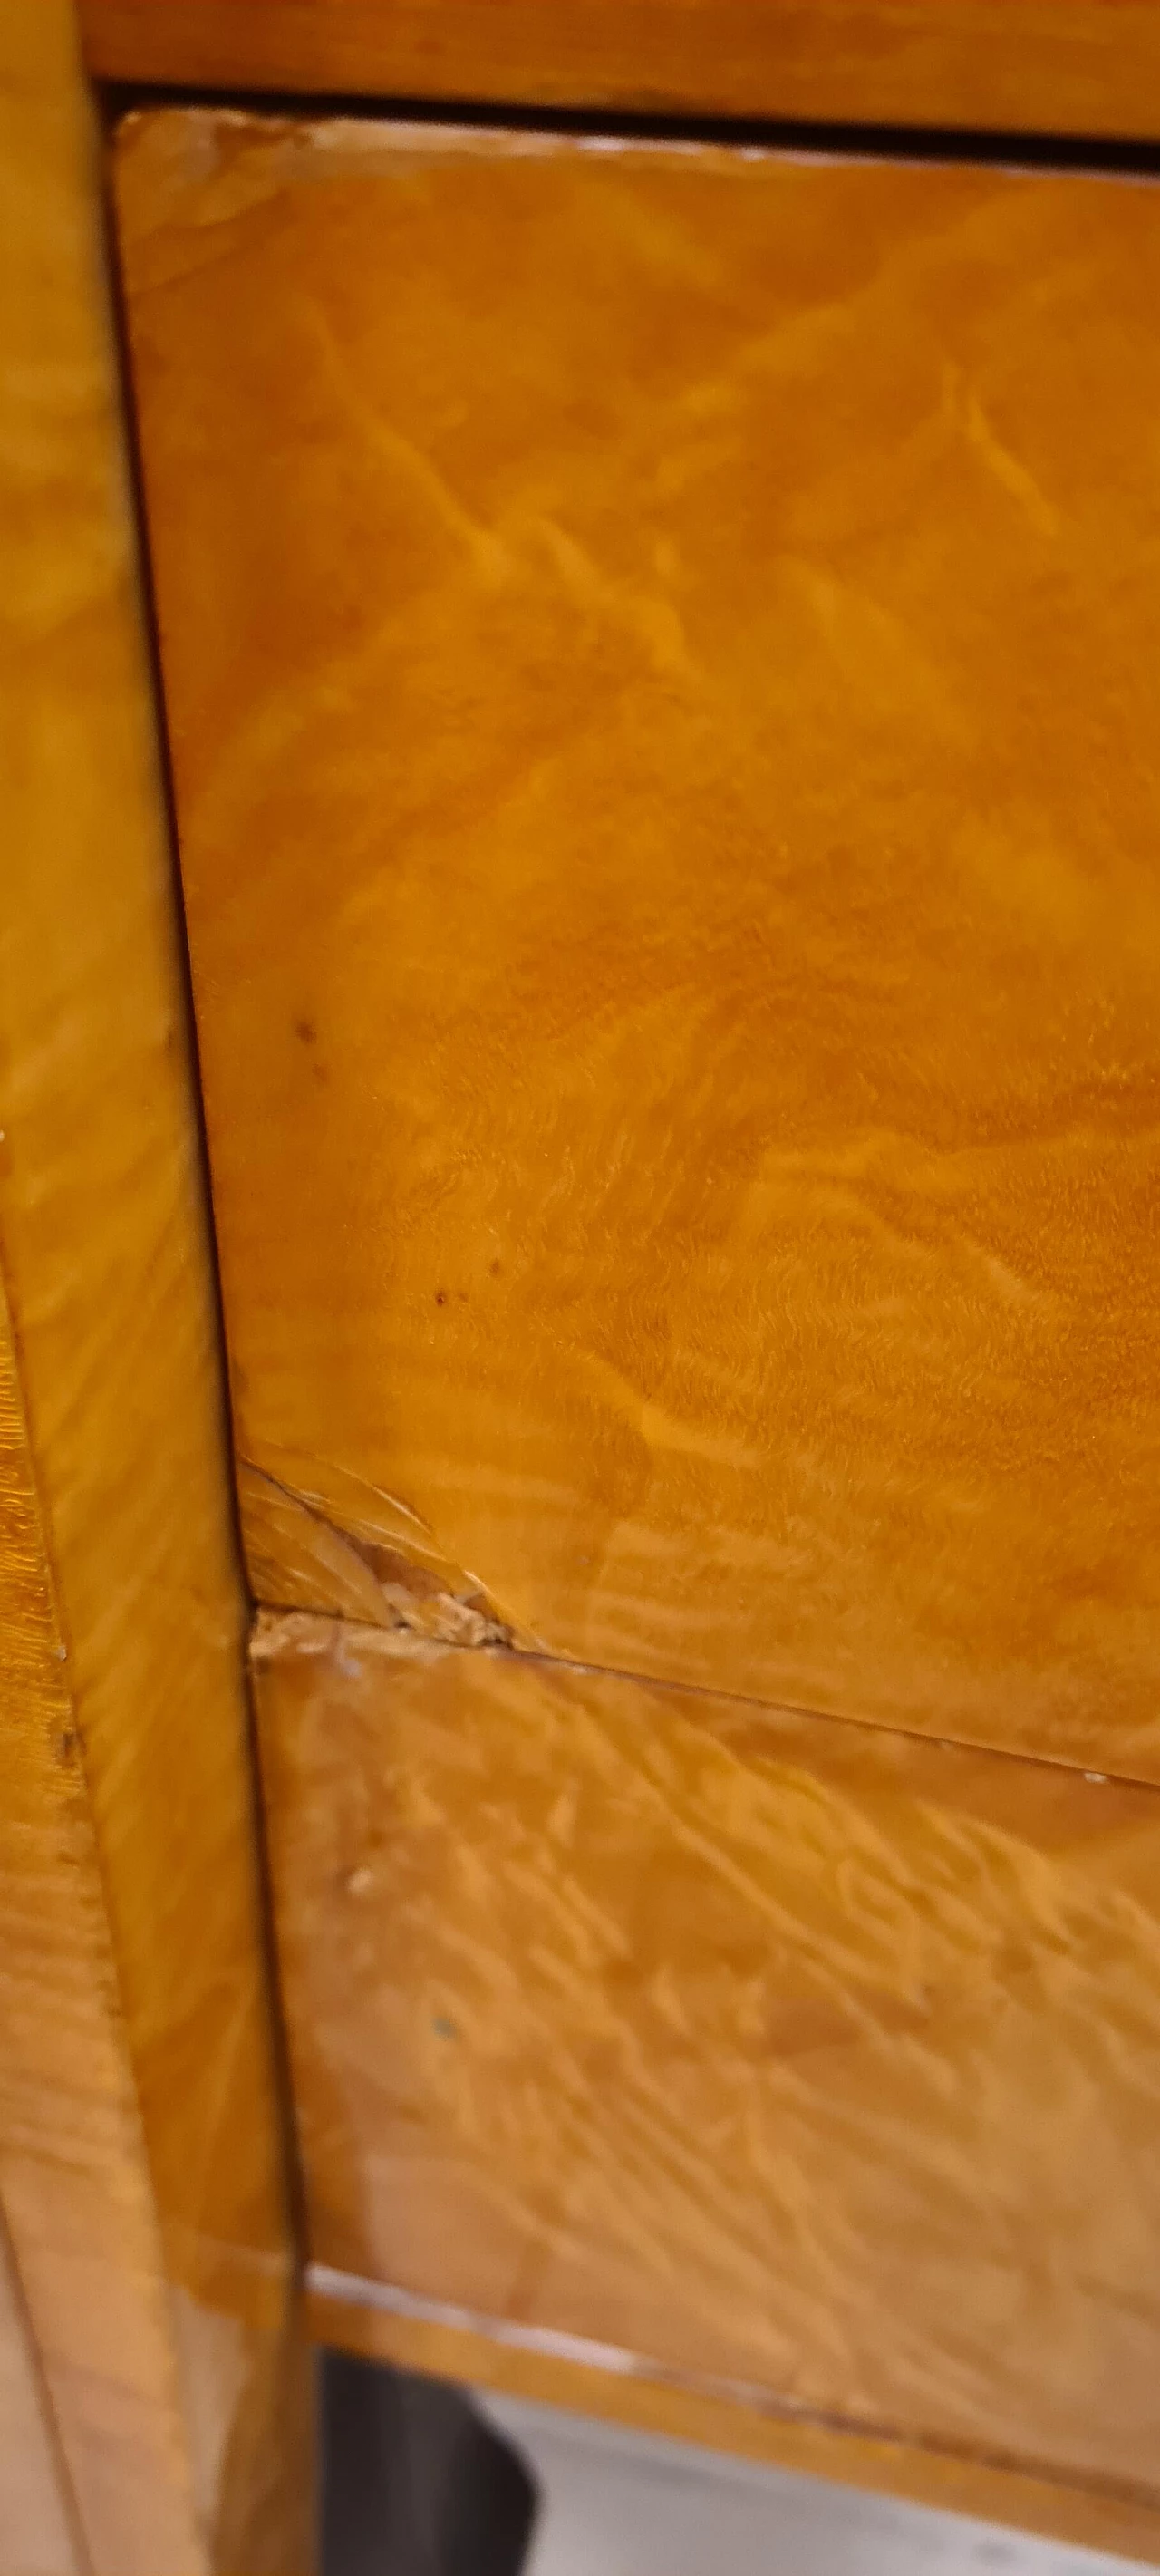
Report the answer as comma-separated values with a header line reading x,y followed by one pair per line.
x,y
1048,66
661,652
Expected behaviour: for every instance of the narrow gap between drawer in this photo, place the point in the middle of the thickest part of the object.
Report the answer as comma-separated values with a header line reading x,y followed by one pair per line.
x,y
270,1618
1092,155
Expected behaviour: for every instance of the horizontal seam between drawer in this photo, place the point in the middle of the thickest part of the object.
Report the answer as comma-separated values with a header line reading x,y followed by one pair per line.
x,y
397,1639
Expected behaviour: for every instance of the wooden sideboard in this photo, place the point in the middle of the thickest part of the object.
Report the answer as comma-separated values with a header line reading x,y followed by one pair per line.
x,y
654,617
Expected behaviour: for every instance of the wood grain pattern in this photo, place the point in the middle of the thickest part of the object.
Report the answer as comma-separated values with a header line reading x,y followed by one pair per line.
x,y
1058,66
73,2177
793,2061
140,2134
35,2518
659,650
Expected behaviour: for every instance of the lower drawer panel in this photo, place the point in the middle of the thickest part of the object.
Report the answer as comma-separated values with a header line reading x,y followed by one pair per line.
x,y
769,2050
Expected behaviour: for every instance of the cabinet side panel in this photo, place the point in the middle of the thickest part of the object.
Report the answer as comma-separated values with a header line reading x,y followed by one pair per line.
x,y
36,2509
155,2249
74,2182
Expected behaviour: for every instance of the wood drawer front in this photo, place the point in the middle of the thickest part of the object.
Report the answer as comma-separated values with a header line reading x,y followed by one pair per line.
x,y
798,2060
660,646
1027,66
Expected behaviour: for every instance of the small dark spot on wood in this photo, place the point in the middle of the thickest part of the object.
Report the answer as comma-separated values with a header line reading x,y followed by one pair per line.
x,y
495,1266
66,1745
305,1029
443,2028
320,1073
441,1296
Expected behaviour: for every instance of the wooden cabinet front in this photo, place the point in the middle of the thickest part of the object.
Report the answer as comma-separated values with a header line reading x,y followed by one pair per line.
x,y
796,2059
659,645
660,648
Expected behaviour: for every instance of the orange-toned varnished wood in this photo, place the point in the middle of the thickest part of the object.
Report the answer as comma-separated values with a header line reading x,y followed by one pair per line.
x,y
141,2156
788,2061
74,2184
659,648
1071,66
39,2535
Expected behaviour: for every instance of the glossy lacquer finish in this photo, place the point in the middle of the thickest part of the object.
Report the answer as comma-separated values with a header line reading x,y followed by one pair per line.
x,y
660,647
789,2058
141,2174
75,2200
1056,66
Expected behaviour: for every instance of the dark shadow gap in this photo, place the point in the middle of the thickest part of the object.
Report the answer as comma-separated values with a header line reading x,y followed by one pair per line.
x,y
414,2482
1091,154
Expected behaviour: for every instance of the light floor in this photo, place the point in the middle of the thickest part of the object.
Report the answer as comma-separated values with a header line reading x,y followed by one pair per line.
x,y
627,2504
